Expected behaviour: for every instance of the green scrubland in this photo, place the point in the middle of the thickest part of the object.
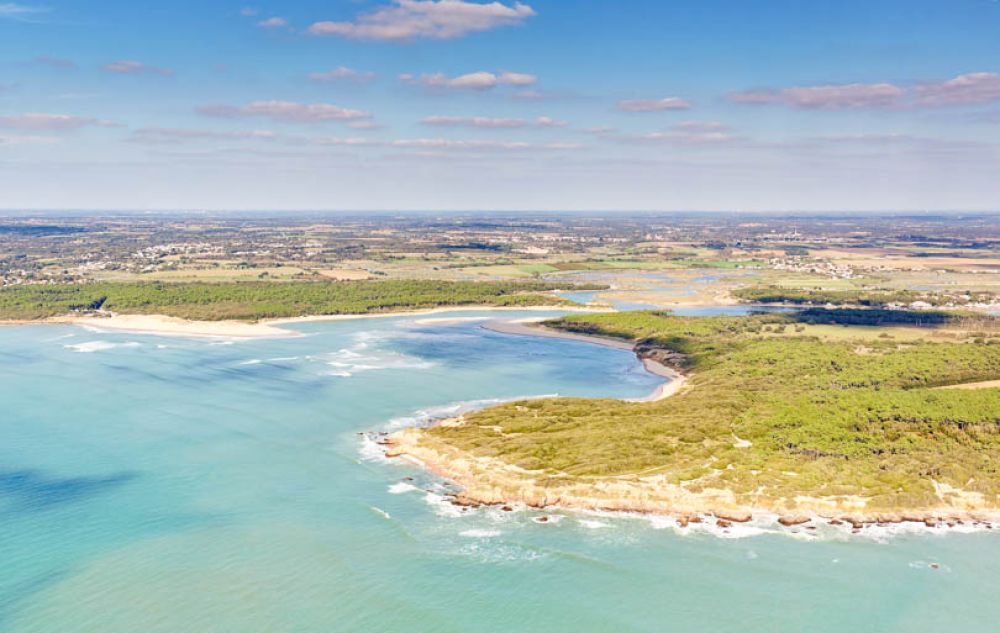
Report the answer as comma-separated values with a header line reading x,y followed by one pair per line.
x,y
257,300
771,412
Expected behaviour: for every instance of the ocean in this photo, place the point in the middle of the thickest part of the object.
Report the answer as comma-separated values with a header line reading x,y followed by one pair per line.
x,y
159,484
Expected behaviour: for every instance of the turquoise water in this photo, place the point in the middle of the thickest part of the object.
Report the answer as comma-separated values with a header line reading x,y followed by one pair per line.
x,y
152,484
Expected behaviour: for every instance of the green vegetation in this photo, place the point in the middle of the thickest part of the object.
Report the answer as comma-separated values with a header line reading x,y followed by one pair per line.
x,y
821,417
257,300
876,298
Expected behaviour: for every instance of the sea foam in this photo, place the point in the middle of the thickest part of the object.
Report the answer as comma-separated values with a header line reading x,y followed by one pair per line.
x,y
99,346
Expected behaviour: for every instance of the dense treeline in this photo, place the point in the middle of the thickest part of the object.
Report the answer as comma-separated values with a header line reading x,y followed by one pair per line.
x,y
874,316
875,298
820,417
256,300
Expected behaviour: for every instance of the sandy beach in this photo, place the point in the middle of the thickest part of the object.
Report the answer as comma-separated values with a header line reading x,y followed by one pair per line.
x,y
265,328
173,326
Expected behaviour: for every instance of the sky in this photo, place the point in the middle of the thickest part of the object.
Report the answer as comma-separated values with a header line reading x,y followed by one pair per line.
x,y
735,105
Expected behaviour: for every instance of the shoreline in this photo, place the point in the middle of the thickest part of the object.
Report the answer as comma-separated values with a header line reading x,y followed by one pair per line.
x,y
163,325
487,481
522,327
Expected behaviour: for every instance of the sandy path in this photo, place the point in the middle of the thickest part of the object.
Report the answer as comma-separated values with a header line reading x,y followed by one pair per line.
x,y
986,384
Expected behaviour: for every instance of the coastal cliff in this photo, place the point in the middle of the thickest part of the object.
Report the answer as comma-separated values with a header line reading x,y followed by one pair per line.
x,y
752,433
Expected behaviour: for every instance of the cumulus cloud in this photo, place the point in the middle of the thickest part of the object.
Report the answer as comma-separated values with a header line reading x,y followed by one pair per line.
x,y
132,67
286,111
654,105
481,80
426,19
971,88
341,73
52,122
517,79
160,135
273,23
249,12
825,97
492,123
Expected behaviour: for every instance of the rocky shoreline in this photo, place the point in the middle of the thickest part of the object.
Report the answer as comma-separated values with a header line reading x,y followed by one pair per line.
x,y
487,481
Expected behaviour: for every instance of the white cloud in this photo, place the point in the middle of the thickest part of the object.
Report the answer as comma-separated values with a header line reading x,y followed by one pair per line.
x,y
249,12
287,111
480,145
491,122
52,122
348,142
654,105
159,135
437,145
426,19
701,126
341,73
971,88
273,23
706,133
20,12
825,97
481,80
130,66
517,79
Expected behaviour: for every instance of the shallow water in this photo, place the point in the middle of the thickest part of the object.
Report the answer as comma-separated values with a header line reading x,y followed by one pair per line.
x,y
165,484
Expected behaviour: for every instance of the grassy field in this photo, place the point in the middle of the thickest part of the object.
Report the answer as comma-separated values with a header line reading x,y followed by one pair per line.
x,y
774,408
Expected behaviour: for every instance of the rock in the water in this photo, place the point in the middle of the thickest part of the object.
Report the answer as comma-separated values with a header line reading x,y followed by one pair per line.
x,y
734,517
789,521
463,501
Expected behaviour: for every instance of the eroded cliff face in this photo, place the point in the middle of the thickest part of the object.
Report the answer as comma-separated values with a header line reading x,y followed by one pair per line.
x,y
489,481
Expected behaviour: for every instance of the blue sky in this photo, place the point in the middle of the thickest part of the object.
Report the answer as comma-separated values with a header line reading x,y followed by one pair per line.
x,y
544,104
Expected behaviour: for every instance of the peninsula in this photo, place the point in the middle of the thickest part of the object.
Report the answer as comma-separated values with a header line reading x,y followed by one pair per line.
x,y
787,415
